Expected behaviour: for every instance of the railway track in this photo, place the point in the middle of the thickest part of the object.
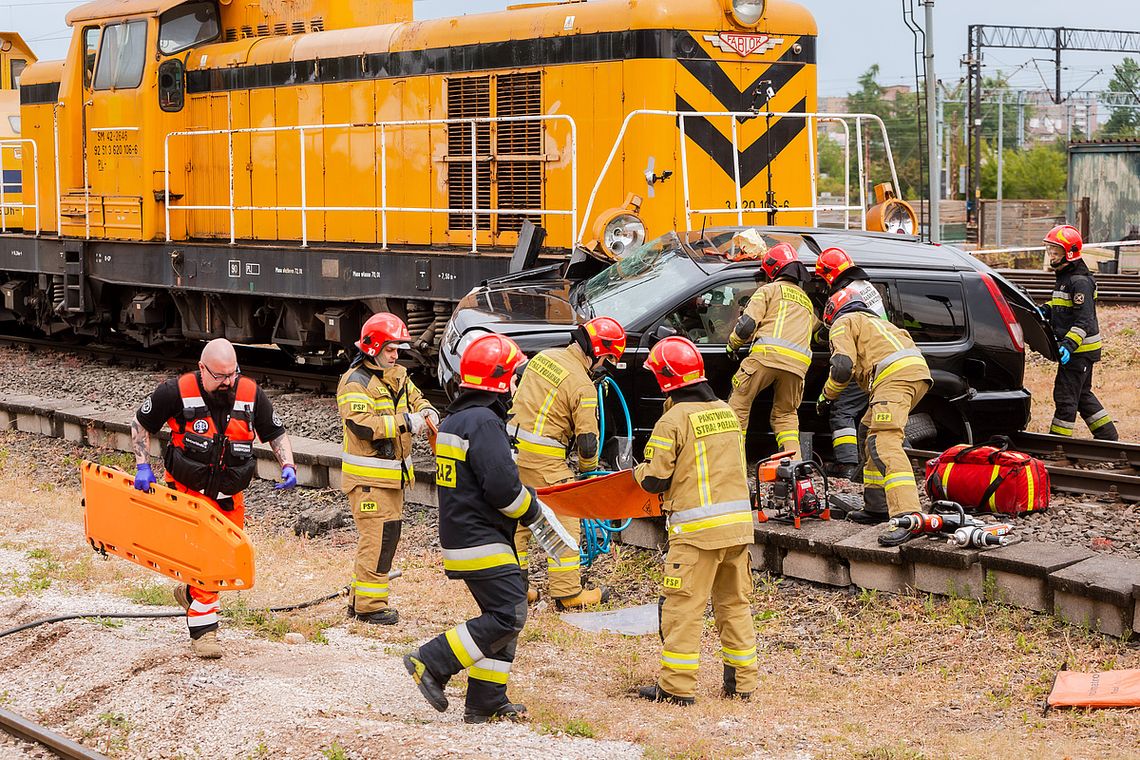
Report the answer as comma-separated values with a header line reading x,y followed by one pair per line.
x,y
1110,288
1106,469
25,730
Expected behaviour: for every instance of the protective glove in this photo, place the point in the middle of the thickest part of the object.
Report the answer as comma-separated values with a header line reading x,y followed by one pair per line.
x,y
728,349
1063,354
823,406
415,423
144,477
288,477
431,416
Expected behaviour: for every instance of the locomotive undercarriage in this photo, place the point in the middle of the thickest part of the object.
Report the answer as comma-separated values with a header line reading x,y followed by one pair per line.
x,y
310,303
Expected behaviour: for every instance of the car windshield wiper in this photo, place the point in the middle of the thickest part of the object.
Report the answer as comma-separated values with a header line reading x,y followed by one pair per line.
x,y
578,299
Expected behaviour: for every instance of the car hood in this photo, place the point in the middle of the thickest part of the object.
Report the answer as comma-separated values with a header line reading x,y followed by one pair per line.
x,y
536,314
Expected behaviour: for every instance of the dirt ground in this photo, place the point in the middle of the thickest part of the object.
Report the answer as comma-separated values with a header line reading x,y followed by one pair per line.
x,y
1116,378
842,674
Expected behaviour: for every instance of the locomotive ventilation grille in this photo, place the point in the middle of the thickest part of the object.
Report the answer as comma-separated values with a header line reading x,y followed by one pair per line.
x,y
279,29
508,154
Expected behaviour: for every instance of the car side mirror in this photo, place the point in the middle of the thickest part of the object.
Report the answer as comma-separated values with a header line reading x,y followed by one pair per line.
x,y
663,331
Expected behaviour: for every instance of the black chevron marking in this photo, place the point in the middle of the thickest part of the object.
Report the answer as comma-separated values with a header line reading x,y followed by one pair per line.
x,y
710,74
753,159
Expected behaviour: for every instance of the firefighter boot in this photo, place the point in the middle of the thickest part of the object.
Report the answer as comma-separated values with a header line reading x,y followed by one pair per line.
x,y
512,711
426,682
206,646
383,616
182,596
728,688
587,597
655,693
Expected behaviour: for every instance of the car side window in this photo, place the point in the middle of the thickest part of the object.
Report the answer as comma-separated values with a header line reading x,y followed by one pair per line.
x,y
709,317
931,311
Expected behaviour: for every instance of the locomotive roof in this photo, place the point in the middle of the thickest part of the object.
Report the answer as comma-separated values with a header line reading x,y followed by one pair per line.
x,y
101,9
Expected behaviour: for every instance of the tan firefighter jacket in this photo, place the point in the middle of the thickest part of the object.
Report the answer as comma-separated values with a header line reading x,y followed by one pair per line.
x,y
555,408
373,404
697,447
871,351
778,321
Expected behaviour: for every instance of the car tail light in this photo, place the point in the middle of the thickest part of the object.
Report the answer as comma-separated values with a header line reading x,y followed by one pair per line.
x,y
1016,334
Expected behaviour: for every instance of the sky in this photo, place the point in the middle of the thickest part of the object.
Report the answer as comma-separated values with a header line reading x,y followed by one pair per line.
x,y
852,36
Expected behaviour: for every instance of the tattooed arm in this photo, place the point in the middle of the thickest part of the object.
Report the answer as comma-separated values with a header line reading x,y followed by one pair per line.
x,y
282,450
140,442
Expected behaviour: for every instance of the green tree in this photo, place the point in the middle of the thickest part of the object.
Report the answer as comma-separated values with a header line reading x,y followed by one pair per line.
x,y
1036,173
1124,122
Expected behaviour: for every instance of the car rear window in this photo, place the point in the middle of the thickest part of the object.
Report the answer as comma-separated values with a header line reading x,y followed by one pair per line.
x,y
931,311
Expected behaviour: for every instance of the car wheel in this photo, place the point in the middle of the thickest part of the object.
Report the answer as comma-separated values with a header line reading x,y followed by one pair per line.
x,y
920,430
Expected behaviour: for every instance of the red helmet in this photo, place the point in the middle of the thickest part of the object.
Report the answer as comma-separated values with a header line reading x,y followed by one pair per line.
x,y
1068,238
676,362
838,300
489,363
778,256
381,329
607,338
831,263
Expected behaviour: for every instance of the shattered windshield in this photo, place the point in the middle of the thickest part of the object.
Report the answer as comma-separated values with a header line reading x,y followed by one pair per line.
x,y
641,282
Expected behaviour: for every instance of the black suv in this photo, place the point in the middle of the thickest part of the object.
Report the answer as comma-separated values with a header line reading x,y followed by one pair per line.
x,y
970,323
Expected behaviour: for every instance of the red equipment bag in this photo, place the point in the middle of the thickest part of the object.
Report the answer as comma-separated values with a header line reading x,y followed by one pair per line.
x,y
990,477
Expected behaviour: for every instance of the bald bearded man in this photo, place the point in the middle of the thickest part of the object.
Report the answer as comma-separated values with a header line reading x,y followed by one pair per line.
x,y
214,416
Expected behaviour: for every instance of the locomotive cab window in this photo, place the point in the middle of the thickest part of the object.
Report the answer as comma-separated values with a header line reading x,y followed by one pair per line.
x,y
122,56
932,312
90,46
17,66
186,26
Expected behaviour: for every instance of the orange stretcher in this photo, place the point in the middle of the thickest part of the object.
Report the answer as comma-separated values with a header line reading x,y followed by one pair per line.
x,y
1112,688
608,497
183,537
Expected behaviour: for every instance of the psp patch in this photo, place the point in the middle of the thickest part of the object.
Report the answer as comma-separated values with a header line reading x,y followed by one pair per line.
x,y
882,416
367,506
200,426
670,581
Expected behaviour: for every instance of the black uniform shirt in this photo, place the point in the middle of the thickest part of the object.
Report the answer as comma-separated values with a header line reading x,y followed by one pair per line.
x,y
166,402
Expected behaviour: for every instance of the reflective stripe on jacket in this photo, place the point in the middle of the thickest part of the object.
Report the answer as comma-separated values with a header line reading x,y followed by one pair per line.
x,y
377,447
555,403
1073,313
784,319
699,446
878,351
203,458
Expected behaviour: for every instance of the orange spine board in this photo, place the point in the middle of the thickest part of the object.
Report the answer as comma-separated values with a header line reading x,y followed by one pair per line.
x,y
609,497
178,535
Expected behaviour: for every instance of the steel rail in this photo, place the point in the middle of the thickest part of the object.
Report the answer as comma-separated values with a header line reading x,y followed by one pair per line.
x,y
1047,446
26,730
1110,483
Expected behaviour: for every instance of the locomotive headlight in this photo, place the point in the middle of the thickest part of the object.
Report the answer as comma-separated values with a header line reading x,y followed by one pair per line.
x,y
618,231
890,214
747,12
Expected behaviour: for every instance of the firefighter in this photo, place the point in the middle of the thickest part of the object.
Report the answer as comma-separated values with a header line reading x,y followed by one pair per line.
x,y
214,415
555,411
1072,315
695,457
884,361
381,410
777,323
481,503
836,268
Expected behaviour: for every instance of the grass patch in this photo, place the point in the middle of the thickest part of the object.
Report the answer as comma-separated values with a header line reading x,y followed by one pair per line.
x,y
151,594
120,460
335,752
261,621
107,622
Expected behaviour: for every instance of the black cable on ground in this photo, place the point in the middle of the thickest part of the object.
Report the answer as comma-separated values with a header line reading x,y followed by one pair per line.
x,y
179,613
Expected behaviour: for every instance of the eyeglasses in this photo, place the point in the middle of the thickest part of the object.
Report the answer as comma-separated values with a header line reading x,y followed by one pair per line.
x,y
223,377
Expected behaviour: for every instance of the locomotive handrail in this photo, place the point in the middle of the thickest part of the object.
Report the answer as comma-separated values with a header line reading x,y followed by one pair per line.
x,y
383,209
15,144
739,209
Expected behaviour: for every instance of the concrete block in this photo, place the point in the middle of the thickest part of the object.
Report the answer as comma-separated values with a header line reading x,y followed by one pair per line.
x,y
1097,593
30,422
7,420
873,566
1019,573
940,568
423,492
74,421
812,537
646,532
818,568
268,469
334,477
766,558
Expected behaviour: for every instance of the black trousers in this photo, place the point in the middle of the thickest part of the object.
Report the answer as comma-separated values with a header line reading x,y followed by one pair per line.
x,y
846,411
484,645
1072,393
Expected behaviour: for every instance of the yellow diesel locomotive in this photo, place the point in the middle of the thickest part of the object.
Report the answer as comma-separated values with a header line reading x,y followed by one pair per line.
x,y
274,171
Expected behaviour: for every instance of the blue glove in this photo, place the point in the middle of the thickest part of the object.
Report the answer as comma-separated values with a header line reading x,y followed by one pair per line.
x,y
144,477
1063,354
288,477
